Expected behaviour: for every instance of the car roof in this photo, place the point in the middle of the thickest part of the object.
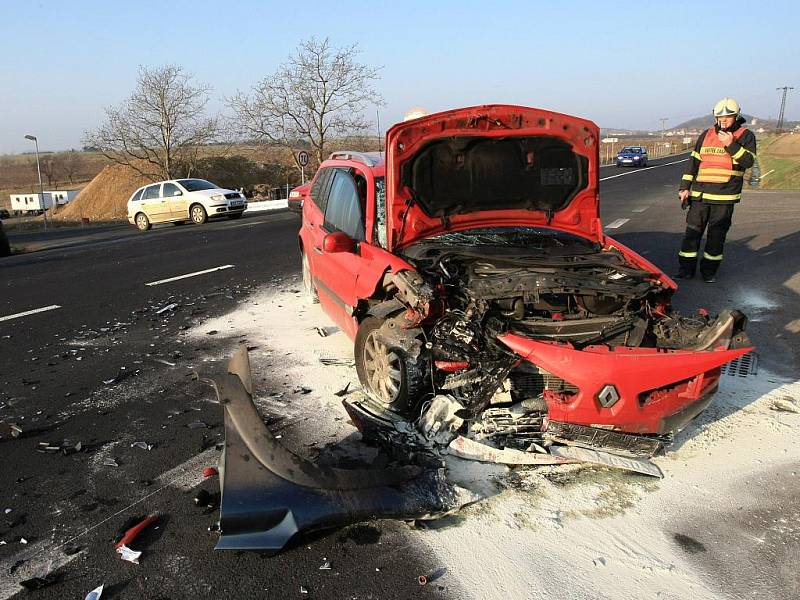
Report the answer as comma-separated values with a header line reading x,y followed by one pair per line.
x,y
374,161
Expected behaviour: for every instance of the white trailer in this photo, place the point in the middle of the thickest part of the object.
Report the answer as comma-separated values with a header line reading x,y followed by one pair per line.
x,y
62,196
31,202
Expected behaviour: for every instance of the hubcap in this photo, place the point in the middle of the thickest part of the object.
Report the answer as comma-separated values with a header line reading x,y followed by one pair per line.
x,y
382,369
142,222
197,214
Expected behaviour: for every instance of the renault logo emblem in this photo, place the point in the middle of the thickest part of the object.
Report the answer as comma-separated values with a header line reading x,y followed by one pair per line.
x,y
608,396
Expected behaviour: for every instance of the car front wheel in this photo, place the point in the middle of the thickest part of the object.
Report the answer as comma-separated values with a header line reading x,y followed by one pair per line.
x,y
386,374
142,222
198,214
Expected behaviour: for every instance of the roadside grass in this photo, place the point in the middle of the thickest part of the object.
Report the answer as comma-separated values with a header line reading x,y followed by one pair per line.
x,y
779,158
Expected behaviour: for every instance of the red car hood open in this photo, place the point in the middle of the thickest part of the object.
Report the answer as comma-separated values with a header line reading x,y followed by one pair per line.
x,y
491,166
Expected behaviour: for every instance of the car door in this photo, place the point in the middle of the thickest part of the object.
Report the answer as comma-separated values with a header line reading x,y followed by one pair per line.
x,y
313,215
155,207
177,201
337,272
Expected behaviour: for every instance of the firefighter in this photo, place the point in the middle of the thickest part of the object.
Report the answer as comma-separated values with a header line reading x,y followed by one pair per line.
x,y
711,186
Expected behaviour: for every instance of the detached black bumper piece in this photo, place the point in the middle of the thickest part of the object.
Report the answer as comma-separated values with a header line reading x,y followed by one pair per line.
x,y
269,494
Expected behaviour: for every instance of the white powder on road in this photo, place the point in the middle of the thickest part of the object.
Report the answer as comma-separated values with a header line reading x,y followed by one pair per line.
x,y
556,532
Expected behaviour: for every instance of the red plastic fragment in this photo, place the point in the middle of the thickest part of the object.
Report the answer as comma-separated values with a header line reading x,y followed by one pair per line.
x,y
209,472
131,533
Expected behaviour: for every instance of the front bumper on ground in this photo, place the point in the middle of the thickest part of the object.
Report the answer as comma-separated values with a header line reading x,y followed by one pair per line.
x,y
269,494
632,390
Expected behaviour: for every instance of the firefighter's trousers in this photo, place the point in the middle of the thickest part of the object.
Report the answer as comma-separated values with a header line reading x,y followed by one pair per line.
x,y
716,218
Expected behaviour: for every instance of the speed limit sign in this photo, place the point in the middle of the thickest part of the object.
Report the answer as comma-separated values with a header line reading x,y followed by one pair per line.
x,y
302,158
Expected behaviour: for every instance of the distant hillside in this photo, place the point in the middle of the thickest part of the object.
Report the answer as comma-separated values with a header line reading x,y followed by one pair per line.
x,y
708,120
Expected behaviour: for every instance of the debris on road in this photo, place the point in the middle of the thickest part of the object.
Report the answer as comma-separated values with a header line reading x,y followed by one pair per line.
x,y
164,362
344,391
637,465
337,362
326,566
209,472
37,583
785,404
128,554
123,374
95,594
304,495
110,462
164,309
422,580
472,450
205,499
127,534
197,425
142,445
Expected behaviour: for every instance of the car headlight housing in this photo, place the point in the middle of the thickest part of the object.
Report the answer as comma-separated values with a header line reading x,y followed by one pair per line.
x,y
218,197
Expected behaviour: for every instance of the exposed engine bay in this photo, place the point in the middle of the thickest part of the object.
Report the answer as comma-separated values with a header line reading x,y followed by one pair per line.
x,y
473,290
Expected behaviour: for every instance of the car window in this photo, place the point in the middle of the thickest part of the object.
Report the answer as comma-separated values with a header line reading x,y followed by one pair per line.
x,y
319,188
194,185
343,211
170,190
138,195
151,191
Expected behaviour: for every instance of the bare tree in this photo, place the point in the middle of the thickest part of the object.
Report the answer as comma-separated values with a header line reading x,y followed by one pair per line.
x,y
70,164
320,92
50,167
158,129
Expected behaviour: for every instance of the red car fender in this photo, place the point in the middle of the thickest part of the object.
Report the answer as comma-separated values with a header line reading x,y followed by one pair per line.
x,y
652,384
639,261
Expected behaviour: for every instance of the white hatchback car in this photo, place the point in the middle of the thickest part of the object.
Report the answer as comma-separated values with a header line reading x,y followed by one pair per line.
x,y
179,200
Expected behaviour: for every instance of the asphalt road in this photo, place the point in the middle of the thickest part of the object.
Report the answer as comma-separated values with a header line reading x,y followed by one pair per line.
x,y
95,371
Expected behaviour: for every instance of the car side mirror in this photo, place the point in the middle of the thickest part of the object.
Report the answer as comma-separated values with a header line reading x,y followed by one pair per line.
x,y
177,193
337,242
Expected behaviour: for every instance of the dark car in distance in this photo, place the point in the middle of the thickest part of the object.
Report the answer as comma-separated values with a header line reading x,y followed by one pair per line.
x,y
632,156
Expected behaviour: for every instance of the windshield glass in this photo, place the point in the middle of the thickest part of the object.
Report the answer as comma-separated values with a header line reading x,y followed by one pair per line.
x,y
633,149
194,185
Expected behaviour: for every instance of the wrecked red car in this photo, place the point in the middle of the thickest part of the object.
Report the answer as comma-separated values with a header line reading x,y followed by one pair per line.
x,y
492,319
473,260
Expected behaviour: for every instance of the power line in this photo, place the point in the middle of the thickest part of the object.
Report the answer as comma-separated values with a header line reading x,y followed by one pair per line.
x,y
663,122
779,127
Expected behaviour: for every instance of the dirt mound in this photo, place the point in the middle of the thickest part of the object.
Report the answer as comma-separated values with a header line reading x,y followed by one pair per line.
x,y
105,197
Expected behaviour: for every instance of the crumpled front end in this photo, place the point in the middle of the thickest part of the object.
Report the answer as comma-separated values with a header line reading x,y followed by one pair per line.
x,y
632,390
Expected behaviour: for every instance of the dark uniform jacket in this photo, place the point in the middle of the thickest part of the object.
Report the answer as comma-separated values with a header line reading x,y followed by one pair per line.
x,y
743,154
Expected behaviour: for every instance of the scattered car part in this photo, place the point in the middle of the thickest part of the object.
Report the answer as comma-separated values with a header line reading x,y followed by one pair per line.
x,y
472,450
96,593
637,465
127,534
269,494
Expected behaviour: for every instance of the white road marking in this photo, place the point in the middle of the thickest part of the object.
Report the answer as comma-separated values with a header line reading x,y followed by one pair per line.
x,y
30,312
616,224
195,274
641,209
640,169
767,173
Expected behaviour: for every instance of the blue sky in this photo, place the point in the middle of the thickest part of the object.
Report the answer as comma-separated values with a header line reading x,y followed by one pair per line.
x,y
622,64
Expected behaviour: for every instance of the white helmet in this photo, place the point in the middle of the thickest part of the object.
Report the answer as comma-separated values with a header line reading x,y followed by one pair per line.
x,y
727,107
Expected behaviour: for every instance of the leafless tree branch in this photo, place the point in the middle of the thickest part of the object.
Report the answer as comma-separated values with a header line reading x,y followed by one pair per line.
x,y
158,129
318,92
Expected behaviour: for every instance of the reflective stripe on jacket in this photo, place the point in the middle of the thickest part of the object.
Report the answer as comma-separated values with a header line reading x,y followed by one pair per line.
x,y
716,165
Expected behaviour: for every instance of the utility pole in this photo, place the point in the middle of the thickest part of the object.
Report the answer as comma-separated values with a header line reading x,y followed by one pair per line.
x,y
663,122
35,140
779,127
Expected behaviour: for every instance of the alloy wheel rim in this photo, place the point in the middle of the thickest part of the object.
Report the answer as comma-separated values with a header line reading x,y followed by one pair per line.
x,y
382,369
